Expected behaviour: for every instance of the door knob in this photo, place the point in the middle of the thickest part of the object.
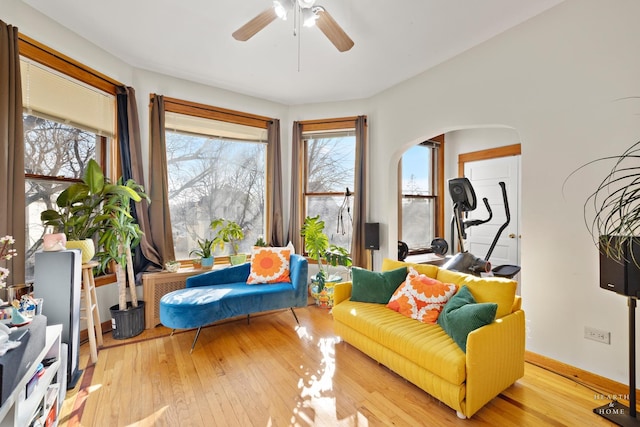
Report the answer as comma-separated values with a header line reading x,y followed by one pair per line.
x,y
512,236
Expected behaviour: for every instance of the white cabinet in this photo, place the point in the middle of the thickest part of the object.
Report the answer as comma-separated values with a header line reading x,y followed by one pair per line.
x,y
20,410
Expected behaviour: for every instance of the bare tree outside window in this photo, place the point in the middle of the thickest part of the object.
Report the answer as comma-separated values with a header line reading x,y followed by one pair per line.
x,y
210,178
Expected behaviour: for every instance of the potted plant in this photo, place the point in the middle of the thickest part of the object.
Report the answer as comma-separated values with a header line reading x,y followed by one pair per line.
x,y
229,232
118,235
205,253
260,242
316,244
79,214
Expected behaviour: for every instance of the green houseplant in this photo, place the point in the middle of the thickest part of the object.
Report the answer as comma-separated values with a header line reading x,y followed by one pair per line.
x,y
205,252
78,212
229,232
118,235
316,244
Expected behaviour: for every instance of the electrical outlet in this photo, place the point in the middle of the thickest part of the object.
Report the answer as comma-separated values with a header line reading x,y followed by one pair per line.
x,y
597,335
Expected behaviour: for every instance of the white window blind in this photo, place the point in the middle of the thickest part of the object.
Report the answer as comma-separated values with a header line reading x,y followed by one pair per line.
x,y
47,93
215,128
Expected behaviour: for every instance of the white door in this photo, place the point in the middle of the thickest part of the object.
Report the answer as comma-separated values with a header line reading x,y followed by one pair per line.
x,y
485,176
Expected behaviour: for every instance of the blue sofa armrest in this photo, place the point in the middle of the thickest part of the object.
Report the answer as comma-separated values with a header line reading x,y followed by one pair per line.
x,y
233,274
299,273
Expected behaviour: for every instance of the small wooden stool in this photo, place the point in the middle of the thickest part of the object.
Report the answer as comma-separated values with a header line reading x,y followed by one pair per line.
x,y
92,315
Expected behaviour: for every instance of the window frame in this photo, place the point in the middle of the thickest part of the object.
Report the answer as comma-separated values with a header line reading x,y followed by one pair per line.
x,y
195,109
437,174
109,153
318,126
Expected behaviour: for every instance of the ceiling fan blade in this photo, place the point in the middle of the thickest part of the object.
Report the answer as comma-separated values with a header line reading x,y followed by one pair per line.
x,y
250,29
333,31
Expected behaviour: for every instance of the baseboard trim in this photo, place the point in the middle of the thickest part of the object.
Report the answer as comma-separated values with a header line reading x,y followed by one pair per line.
x,y
106,327
591,380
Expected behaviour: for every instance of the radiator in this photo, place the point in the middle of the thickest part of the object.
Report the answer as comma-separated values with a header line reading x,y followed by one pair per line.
x,y
155,285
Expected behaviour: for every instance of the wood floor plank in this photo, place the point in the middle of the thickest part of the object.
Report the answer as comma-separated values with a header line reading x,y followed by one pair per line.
x,y
274,372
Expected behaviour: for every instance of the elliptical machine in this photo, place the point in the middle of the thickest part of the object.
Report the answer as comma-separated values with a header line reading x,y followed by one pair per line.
x,y
464,201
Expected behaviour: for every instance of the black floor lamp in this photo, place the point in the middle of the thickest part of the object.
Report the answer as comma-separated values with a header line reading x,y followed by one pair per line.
x,y
615,411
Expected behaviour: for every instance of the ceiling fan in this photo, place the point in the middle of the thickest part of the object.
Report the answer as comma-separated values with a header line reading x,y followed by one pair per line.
x,y
310,15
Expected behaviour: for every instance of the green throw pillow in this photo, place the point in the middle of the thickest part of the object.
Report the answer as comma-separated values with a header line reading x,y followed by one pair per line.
x,y
461,315
371,286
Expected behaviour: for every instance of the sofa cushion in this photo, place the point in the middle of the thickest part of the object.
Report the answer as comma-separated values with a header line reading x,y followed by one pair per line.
x,y
499,290
426,269
450,276
269,265
462,314
372,286
424,344
420,297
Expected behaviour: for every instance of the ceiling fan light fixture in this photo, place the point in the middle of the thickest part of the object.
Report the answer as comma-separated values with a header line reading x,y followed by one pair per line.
x,y
310,16
280,9
306,4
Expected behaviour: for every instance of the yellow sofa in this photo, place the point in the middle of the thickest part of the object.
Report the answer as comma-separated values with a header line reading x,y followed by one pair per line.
x,y
425,355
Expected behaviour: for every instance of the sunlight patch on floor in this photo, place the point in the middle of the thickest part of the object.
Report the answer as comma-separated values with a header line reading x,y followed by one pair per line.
x,y
319,402
303,333
151,420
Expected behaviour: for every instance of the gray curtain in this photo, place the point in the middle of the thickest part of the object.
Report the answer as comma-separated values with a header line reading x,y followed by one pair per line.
x,y
358,251
293,232
159,217
146,257
274,182
12,186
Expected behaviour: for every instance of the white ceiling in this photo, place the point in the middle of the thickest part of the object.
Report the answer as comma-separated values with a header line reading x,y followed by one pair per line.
x,y
191,39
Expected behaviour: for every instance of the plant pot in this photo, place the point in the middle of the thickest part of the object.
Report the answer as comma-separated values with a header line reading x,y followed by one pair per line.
x,y
127,323
238,259
207,263
324,298
86,246
196,264
54,242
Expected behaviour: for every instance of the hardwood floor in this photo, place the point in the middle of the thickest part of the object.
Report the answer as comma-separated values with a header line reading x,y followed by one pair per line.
x,y
273,373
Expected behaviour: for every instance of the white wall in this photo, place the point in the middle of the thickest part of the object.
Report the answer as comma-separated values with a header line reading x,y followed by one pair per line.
x,y
556,80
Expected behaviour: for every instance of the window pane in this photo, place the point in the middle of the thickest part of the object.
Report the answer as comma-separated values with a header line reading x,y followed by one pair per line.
x,y
56,149
337,219
52,149
211,178
418,219
330,163
416,171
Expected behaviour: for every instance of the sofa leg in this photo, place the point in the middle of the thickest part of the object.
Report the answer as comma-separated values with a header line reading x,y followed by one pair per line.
x,y
172,331
195,339
248,318
294,315
461,415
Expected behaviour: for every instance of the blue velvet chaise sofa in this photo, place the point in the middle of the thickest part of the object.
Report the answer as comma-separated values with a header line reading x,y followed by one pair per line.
x,y
222,294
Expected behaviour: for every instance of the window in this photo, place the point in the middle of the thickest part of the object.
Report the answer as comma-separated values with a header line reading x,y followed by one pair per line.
x,y
329,175
216,168
419,196
66,122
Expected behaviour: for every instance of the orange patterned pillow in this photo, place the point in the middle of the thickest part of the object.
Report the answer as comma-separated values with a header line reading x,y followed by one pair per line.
x,y
420,297
269,265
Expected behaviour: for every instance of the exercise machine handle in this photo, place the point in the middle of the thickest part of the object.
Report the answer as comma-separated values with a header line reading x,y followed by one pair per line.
x,y
507,212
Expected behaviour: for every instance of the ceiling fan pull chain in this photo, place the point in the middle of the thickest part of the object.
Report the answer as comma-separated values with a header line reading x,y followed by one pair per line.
x,y
297,19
